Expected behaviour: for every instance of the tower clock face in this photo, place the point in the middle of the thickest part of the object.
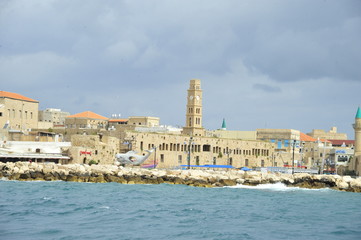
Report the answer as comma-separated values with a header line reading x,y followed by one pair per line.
x,y
191,97
197,98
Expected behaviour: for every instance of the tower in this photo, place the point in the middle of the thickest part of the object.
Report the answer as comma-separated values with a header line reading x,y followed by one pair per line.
x,y
357,127
193,125
224,127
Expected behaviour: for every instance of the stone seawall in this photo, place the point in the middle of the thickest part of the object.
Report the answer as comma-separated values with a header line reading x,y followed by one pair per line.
x,y
25,171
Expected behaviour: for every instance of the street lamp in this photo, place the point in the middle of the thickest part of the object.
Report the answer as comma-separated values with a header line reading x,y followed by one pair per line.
x,y
229,151
190,148
155,157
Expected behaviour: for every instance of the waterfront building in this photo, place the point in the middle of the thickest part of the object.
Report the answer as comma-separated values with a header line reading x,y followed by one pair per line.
x,y
18,112
13,151
87,149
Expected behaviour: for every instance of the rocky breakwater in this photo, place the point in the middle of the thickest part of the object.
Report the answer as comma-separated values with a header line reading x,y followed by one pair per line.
x,y
24,171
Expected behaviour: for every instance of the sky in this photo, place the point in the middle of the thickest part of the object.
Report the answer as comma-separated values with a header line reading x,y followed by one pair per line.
x,y
262,64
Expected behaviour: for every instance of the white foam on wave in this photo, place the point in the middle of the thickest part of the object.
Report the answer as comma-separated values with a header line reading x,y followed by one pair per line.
x,y
281,187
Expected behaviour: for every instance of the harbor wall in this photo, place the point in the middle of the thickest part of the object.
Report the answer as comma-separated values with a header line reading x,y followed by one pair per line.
x,y
25,171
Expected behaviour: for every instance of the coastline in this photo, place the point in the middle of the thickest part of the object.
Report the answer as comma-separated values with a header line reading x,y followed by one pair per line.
x,y
25,171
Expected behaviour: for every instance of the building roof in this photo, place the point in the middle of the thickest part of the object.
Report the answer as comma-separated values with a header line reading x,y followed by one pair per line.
x,y
87,114
306,138
341,142
16,96
358,114
118,120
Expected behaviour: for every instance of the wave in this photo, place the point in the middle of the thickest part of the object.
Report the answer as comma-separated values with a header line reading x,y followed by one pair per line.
x,y
280,187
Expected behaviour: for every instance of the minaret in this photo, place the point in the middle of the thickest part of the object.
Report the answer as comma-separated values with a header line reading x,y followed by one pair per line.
x,y
224,127
194,110
357,127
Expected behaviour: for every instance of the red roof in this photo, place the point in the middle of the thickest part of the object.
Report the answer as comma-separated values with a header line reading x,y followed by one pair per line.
x,y
340,142
16,96
306,138
87,114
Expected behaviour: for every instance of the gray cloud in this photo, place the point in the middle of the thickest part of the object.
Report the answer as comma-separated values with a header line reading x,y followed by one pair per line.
x,y
266,88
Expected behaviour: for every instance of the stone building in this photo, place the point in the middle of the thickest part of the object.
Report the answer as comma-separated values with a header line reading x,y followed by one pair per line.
x,y
332,134
97,148
54,116
173,150
86,120
18,112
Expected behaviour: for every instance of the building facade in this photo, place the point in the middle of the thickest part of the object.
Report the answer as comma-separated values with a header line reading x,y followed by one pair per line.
x,y
332,134
86,120
54,116
18,112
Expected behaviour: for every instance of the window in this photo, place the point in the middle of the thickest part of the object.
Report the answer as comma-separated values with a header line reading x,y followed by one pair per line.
x,y
197,160
262,163
214,161
162,158
179,159
246,162
206,148
1,114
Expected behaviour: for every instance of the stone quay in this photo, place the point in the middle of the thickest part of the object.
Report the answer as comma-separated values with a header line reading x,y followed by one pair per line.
x,y
26,171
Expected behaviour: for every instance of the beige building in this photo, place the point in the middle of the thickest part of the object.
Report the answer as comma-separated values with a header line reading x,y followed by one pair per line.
x,y
86,120
332,134
18,112
144,121
96,148
242,135
54,116
173,150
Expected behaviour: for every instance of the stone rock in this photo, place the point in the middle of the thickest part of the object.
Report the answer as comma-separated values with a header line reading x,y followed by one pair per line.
x,y
341,184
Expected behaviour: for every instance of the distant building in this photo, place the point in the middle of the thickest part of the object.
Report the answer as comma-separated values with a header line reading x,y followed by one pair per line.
x,y
18,112
86,120
332,134
54,116
144,121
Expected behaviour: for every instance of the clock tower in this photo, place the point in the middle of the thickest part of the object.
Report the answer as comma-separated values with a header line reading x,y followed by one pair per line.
x,y
194,110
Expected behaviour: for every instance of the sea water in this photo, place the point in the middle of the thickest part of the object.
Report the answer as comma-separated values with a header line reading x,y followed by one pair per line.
x,y
68,210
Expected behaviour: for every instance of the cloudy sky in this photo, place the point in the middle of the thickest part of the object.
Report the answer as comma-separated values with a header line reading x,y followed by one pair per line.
x,y
263,64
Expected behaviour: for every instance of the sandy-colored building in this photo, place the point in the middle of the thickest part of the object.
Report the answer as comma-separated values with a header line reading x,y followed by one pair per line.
x,y
54,116
96,148
86,120
332,134
18,112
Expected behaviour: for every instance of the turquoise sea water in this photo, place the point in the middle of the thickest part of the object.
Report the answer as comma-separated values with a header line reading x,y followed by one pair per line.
x,y
68,210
